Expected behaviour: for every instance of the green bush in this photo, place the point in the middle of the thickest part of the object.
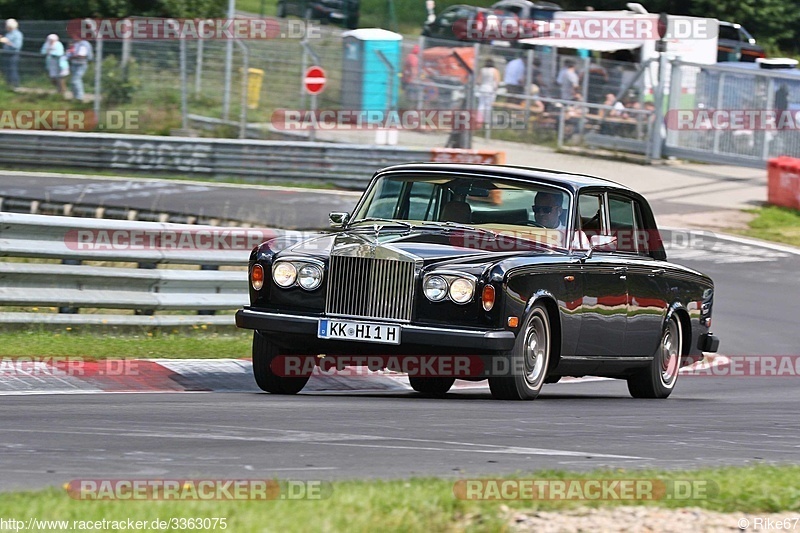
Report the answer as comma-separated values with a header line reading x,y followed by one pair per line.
x,y
119,83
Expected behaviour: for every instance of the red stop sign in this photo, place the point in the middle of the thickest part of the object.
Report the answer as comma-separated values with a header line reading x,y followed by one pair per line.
x,y
314,80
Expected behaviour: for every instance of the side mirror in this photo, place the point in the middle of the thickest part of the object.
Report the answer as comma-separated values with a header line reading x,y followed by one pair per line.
x,y
603,243
338,220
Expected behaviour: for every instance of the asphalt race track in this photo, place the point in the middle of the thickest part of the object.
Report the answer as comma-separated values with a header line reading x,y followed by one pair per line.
x,y
47,440
275,207
708,421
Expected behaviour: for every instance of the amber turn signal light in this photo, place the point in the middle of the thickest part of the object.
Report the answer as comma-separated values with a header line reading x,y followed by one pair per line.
x,y
513,321
257,277
487,297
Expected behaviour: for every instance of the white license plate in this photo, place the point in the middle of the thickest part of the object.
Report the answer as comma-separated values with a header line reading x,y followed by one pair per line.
x,y
358,331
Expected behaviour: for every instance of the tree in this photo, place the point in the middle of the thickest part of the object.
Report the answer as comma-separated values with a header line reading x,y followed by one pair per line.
x,y
772,22
71,9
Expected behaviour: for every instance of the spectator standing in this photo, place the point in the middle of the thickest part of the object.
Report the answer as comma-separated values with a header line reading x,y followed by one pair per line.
x,y
12,44
79,55
514,76
568,80
488,82
411,74
55,62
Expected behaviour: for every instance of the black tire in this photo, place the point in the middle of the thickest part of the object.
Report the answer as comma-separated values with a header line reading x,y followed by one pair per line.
x,y
529,359
431,386
658,380
264,352
352,23
281,10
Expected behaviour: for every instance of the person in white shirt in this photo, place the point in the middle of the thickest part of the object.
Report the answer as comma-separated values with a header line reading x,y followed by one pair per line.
x,y
514,76
488,82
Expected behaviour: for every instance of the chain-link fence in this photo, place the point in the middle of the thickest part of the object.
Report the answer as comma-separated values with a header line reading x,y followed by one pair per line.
x,y
733,113
604,99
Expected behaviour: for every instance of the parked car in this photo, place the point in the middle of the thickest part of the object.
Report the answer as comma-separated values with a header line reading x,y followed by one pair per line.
x,y
537,274
527,10
469,24
343,12
736,44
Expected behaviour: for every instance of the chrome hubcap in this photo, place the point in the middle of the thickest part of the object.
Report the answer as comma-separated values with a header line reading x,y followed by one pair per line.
x,y
670,356
535,350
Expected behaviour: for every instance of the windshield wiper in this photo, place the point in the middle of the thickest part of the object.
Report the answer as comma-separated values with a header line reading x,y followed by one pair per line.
x,y
456,225
377,219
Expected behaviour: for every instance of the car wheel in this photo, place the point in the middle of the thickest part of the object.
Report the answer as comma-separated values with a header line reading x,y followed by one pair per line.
x,y
264,352
352,22
431,386
658,380
529,360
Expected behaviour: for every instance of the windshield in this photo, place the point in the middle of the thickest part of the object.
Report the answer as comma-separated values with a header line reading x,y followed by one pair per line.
x,y
525,210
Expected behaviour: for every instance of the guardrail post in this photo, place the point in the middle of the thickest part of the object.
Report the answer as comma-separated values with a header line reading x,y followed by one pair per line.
x,y
148,312
69,310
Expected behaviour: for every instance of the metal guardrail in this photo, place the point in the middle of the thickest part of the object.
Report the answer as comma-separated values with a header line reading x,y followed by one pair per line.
x,y
77,285
346,165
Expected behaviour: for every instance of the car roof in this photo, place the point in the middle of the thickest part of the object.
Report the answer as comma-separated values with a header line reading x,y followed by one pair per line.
x,y
748,66
572,180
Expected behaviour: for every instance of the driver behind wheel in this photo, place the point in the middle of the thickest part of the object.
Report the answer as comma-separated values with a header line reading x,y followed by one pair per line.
x,y
547,210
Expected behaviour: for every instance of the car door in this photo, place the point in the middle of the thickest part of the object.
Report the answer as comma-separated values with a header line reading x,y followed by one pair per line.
x,y
647,306
604,306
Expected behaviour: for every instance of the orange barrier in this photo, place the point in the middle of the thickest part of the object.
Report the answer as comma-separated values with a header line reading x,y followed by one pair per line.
x,y
462,155
783,182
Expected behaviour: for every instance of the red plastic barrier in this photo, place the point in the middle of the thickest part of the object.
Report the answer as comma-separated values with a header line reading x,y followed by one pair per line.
x,y
783,182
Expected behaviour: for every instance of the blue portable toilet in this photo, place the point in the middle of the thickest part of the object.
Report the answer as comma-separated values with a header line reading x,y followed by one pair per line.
x,y
367,82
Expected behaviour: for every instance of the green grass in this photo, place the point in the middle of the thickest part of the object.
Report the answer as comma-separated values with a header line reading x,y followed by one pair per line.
x,y
778,224
141,343
417,504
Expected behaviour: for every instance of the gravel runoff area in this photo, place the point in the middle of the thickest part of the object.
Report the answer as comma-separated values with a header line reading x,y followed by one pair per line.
x,y
646,520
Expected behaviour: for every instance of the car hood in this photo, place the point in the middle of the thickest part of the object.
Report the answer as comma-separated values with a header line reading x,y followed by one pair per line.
x,y
427,245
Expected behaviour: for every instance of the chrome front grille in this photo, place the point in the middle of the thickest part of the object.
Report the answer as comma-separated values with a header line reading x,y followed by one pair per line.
x,y
365,287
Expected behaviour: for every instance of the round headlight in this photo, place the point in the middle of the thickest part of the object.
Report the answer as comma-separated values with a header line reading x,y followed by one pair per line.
x,y
284,274
309,277
461,291
435,288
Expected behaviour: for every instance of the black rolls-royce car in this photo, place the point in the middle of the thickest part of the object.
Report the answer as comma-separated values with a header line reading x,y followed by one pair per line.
x,y
529,274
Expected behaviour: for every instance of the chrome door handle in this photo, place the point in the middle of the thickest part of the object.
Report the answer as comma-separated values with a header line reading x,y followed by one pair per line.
x,y
657,272
620,270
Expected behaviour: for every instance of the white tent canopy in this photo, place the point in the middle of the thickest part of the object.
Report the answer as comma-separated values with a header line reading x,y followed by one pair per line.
x,y
596,45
